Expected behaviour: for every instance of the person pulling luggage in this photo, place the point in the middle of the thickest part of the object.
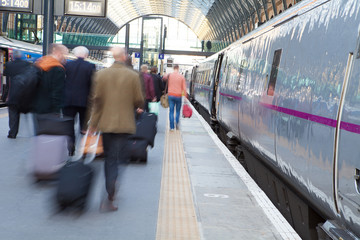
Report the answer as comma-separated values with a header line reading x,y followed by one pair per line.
x,y
121,85
176,88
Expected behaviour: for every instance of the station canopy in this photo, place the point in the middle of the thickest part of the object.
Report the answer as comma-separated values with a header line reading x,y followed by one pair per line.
x,y
210,19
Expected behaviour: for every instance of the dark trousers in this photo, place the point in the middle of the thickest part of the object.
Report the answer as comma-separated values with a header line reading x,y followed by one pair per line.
x,y
146,107
71,111
116,158
14,119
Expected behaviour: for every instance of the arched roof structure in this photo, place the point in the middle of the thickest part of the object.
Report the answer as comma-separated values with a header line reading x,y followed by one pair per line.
x,y
223,20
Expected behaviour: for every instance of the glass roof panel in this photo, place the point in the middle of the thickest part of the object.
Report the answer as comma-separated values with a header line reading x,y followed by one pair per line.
x,y
199,15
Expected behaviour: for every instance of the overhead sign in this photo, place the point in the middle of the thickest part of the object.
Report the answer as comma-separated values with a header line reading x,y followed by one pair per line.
x,y
17,5
88,8
137,55
161,56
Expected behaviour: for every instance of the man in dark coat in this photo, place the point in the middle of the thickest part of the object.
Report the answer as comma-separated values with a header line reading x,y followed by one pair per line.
x,y
11,70
50,93
158,83
78,81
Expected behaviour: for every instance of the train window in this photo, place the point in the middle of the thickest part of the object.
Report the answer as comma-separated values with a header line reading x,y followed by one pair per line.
x,y
228,71
240,79
274,72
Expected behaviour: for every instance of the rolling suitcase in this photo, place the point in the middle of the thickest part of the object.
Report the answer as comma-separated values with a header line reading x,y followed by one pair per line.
x,y
49,155
74,184
138,149
146,127
145,135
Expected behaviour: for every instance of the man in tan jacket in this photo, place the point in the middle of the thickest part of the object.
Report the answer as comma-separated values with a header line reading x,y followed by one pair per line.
x,y
116,94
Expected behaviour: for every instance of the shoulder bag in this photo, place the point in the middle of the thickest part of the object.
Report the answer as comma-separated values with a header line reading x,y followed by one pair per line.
x,y
164,100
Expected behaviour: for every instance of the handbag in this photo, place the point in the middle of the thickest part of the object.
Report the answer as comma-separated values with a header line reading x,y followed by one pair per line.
x,y
164,99
54,124
154,107
91,146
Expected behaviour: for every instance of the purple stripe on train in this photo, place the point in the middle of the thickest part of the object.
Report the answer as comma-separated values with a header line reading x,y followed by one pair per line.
x,y
350,127
314,118
232,96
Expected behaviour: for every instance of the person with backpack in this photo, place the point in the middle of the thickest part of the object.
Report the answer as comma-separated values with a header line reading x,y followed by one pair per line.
x,y
13,69
50,92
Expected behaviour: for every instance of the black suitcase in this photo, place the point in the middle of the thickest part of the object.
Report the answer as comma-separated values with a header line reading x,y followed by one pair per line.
x,y
138,149
146,127
75,180
54,124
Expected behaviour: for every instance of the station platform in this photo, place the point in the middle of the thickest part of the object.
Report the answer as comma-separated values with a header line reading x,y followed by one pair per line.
x,y
190,188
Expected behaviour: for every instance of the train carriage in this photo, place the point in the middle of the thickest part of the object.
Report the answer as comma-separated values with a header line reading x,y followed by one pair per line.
x,y
288,94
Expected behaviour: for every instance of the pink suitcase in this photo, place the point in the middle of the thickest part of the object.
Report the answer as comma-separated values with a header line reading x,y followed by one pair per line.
x,y
49,155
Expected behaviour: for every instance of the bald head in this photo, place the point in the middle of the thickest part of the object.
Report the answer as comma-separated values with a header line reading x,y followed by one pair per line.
x,y
59,52
119,54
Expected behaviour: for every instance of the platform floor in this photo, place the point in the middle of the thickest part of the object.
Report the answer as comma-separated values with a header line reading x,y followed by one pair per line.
x,y
190,188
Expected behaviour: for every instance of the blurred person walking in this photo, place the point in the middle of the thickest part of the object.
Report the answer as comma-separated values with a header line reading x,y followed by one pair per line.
x,y
116,94
176,88
78,81
149,87
52,130
50,93
158,83
12,69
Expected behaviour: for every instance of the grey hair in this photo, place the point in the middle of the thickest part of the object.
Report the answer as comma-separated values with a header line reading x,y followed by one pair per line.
x,y
81,52
144,67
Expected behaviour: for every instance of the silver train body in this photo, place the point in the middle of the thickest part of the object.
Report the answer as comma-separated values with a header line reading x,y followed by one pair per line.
x,y
308,128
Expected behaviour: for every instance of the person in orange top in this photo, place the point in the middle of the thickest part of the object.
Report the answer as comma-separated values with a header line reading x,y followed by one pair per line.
x,y
50,93
176,88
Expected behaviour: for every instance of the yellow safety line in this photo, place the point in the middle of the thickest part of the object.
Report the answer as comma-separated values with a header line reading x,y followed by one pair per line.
x,y
176,216
3,115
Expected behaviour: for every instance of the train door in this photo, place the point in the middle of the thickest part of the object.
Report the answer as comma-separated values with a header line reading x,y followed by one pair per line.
x,y
192,81
221,78
347,139
214,96
3,57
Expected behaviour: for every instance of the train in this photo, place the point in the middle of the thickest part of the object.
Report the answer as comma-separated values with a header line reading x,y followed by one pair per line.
x,y
29,52
285,98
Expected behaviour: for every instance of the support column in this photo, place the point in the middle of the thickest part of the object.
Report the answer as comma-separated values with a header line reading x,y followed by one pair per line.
x,y
48,25
127,37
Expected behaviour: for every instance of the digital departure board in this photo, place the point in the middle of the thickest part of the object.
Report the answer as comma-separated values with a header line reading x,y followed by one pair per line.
x,y
89,8
17,5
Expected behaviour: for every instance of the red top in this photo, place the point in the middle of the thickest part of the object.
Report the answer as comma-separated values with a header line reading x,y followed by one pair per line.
x,y
176,84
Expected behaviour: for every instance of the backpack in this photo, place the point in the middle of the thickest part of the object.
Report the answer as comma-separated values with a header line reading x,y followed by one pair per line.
x,y
23,88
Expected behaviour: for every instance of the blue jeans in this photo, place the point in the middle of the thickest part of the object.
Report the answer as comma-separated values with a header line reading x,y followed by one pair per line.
x,y
174,102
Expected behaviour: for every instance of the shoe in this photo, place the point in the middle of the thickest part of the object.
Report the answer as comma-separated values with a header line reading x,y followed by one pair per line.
x,y
72,151
172,130
12,137
108,206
